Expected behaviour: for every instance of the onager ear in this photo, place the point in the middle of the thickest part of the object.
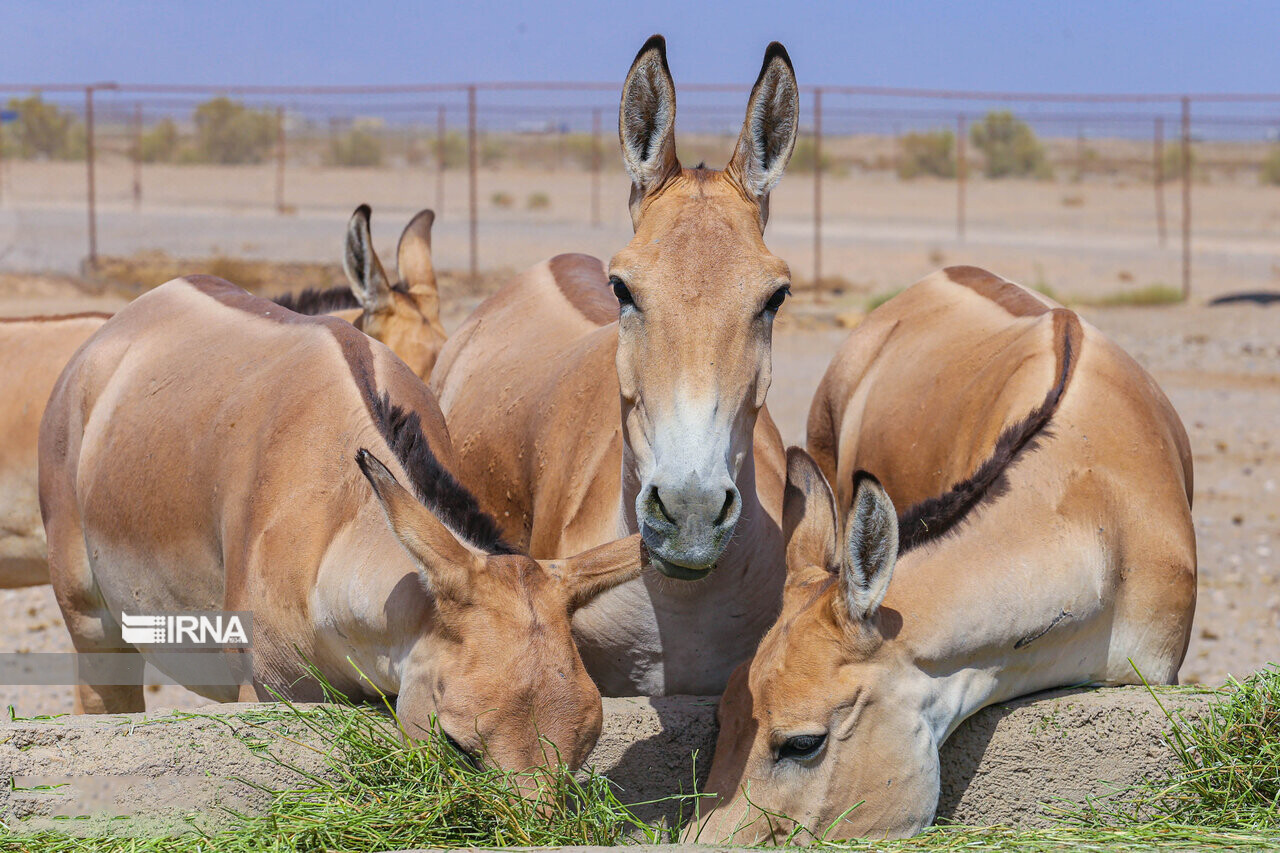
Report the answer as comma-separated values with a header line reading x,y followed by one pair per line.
x,y
769,133
808,515
647,122
413,253
444,563
871,547
364,270
598,570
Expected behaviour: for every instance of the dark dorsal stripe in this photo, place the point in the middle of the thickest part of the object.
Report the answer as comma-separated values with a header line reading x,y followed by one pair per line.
x,y
438,489
936,517
313,300
54,318
431,482
583,282
1016,300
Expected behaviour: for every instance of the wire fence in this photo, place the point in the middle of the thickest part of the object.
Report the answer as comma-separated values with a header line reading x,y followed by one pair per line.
x,y
532,169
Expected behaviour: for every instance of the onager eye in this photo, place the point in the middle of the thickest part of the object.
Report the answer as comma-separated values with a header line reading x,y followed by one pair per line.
x,y
621,291
779,296
801,747
469,757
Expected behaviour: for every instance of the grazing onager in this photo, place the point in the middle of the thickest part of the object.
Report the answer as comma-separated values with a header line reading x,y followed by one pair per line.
x,y
1048,542
589,404
405,317
198,453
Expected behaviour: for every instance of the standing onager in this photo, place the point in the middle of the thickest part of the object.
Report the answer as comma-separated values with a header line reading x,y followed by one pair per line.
x,y
531,385
34,350
198,454
1063,550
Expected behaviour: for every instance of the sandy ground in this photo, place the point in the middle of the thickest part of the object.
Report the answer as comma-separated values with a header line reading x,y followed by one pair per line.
x,y
1220,366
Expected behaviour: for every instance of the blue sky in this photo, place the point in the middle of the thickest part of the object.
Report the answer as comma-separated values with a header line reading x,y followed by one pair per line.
x,y
1114,46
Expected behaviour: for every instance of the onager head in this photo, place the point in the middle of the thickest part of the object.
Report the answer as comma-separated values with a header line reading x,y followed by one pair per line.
x,y
404,316
499,668
818,726
698,292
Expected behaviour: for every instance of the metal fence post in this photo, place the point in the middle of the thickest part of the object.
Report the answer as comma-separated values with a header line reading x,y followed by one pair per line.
x,y
817,190
1186,198
440,149
137,156
962,173
280,157
1158,165
92,260
595,167
472,189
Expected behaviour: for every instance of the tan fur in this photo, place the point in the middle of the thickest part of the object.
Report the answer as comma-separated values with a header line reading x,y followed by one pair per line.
x,y
198,454
1086,562
36,349
580,421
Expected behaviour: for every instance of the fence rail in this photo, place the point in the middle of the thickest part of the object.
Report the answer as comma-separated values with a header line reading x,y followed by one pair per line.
x,y
559,126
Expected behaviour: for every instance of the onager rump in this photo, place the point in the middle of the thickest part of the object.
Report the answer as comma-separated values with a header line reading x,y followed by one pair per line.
x,y
199,453
1046,541
404,316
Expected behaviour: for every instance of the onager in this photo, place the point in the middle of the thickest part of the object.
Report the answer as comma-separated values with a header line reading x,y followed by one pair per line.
x,y
1049,542
199,453
592,404
405,317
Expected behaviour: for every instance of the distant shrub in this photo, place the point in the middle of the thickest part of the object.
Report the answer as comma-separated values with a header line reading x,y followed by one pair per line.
x,y
803,159
501,199
1009,147
159,144
539,201
357,147
229,132
929,153
43,130
1270,173
1171,162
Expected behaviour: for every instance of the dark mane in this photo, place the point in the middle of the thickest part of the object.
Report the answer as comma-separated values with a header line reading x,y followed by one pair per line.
x,y
313,300
439,490
935,517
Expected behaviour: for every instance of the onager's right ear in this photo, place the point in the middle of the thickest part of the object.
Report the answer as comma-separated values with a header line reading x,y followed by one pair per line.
x,y
599,569
444,563
413,253
647,122
809,523
871,547
364,270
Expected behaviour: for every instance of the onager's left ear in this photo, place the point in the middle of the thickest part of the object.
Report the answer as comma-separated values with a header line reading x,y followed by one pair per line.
x,y
599,569
364,271
444,564
413,253
769,133
871,547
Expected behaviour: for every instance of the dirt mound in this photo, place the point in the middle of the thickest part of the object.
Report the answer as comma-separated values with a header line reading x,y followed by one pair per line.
x,y
1009,764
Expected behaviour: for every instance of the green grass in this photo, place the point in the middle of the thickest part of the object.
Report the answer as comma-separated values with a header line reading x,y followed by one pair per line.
x,y
382,792
1229,767
1152,294
389,794
878,299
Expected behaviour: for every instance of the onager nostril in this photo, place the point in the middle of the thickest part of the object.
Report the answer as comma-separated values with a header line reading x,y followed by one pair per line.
x,y
662,508
726,509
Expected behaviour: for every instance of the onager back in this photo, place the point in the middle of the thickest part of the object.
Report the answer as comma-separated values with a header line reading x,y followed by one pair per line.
x,y
199,453
404,316
1047,541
